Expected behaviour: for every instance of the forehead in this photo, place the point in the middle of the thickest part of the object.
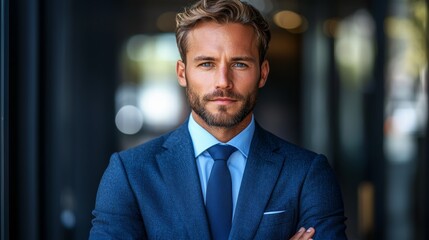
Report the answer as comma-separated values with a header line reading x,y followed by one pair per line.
x,y
212,36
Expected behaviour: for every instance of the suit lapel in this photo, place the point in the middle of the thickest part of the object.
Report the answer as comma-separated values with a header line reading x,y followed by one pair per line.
x,y
262,170
178,168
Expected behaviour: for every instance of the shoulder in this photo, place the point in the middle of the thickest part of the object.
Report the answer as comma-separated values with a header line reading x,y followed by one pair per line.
x,y
282,146
295,158
155,146
147,148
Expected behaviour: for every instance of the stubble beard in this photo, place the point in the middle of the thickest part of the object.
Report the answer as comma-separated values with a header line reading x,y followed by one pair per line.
x,y
222,118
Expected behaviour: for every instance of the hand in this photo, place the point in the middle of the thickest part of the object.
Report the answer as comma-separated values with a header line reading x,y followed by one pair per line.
x,y
303,234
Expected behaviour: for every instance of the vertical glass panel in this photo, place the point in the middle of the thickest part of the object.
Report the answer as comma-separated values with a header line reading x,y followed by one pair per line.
x,y
354,52
405,112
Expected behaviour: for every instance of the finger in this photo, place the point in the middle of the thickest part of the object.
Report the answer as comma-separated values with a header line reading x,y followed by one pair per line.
x,y
308,234
298,234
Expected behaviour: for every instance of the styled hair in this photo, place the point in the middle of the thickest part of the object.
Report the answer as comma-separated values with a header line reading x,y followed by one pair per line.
x,y
222,11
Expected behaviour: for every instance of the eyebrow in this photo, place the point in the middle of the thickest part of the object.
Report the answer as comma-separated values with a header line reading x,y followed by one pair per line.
x,y
203,58
243,58
238,58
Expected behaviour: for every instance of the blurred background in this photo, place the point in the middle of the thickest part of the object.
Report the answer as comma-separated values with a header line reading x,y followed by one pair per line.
x,y
81,79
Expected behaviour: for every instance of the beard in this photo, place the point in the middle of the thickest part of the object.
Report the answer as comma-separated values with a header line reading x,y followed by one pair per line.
x,y
221,118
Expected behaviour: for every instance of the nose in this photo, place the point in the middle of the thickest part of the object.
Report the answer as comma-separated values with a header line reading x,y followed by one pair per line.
x,y
223,78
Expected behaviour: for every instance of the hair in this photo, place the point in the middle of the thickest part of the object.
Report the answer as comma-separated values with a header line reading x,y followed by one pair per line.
x,y
222,11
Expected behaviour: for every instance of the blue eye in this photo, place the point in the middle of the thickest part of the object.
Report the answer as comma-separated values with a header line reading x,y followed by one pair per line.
x,y
240,65
206,64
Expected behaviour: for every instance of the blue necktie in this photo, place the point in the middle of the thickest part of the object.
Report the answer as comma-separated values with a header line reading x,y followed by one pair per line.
x,y
219,192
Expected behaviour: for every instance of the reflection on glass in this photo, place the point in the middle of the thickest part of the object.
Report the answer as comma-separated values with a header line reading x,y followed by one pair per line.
x,y
129,119
148,101
161,105
354,49
291,21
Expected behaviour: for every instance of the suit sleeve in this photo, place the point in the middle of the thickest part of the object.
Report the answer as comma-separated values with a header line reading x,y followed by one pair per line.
x,y
321,204
116,213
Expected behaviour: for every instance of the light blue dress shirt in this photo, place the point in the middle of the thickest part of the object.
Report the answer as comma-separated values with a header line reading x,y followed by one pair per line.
x,y
202,140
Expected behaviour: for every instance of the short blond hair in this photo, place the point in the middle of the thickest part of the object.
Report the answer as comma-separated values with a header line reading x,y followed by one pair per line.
x,y
222,11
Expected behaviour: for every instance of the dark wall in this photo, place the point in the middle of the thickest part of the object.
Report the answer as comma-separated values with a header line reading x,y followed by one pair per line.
x,y
63,76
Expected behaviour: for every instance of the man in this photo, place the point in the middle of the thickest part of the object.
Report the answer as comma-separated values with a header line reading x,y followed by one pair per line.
x,y
177,187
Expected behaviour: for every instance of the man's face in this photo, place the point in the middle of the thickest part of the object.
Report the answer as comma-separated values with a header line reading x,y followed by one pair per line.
x,y
222,73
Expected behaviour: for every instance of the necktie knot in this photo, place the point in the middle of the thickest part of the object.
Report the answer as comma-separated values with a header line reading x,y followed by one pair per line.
x,y
221,152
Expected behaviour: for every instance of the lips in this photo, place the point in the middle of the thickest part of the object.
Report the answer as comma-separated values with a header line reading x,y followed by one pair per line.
x,y
223,100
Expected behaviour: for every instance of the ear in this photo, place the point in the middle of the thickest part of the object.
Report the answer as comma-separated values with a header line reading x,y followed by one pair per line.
x,y
265,69
181,73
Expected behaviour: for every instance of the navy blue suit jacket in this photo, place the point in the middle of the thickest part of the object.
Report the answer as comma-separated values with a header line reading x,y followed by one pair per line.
x,y
153,192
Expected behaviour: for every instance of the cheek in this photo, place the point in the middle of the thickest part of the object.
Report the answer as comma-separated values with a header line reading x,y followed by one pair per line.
x,y
199,81
248,83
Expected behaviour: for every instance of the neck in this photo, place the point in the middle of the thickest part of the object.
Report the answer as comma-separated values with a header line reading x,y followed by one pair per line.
x,y
223,134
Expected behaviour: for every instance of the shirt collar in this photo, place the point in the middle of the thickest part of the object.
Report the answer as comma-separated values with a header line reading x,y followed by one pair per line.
x,y
202,139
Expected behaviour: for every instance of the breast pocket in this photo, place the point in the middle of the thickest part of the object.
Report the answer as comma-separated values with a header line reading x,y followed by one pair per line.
x,y
277,225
